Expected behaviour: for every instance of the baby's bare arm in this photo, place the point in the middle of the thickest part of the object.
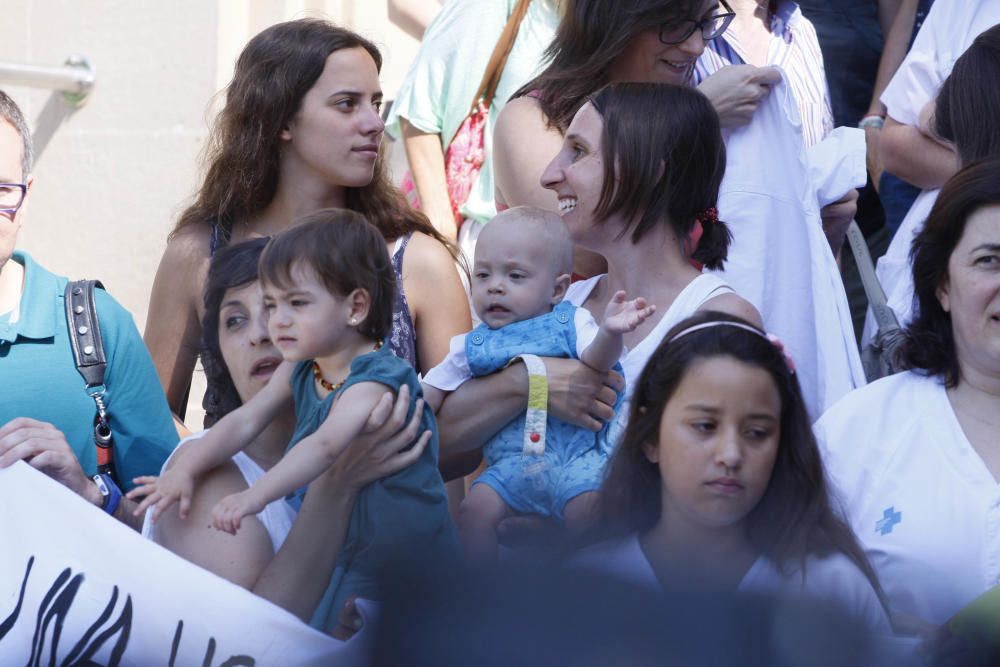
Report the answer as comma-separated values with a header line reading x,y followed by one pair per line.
x,y
620,316
230,435
310,458
238,428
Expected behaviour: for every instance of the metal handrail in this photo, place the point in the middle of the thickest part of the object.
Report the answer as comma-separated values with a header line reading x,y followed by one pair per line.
x,y
75,79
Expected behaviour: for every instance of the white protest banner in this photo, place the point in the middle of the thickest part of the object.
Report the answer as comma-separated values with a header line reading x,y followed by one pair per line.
x,y
78,587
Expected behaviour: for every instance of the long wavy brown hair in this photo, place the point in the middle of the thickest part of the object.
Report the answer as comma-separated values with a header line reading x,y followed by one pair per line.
x,y
273,73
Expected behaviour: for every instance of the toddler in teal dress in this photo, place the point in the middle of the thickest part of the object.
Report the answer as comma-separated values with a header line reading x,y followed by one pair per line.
x,y
328,287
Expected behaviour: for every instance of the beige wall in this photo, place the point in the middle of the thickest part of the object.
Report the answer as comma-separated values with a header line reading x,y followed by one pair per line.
x,y
112,176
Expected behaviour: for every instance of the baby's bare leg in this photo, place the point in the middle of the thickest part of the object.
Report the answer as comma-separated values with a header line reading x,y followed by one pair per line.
x,y
579,513
481,512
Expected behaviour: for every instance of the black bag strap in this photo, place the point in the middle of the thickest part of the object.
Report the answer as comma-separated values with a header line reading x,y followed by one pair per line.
x,y
85,331
88,352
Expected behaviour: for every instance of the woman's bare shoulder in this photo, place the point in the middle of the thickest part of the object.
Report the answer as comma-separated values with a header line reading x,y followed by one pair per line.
x,y
523,145
519,114
426,253
190,247
733,304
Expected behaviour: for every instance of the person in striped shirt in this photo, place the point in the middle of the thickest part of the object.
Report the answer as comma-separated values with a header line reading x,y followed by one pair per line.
x,y
775,33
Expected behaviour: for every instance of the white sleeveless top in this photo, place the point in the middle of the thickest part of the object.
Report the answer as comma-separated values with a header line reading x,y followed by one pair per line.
x,y
277,517
700,290
703,288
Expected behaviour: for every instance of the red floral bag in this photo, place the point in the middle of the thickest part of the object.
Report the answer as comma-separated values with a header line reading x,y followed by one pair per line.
x,y
465,157
467,150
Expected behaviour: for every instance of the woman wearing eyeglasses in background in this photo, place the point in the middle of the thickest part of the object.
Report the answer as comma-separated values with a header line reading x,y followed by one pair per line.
x,y
604,41
609,41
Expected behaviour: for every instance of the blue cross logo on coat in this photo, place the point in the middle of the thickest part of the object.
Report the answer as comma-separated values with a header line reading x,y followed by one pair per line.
x,y
890,517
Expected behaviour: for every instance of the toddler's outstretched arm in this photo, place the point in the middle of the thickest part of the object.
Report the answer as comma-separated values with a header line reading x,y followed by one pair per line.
x,y
307,460
230,435
620,317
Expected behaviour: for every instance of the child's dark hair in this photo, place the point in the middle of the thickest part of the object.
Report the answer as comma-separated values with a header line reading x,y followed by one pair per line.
x,y
663,165
794,519
964,102
232,266
346,252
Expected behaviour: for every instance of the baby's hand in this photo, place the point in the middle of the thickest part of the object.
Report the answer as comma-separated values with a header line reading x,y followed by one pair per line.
x,y
162,492
228,513
622,316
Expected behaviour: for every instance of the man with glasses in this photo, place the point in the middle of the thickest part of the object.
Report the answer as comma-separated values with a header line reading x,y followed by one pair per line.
x,y
47,419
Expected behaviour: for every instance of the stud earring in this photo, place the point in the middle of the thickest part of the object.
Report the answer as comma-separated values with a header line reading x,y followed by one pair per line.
x,y
354,320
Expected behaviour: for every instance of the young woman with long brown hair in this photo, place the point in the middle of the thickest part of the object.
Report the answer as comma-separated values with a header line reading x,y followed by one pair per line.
x,y
301,131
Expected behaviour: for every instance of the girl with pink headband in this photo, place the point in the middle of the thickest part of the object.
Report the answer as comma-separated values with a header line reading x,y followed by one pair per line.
x,y
718,478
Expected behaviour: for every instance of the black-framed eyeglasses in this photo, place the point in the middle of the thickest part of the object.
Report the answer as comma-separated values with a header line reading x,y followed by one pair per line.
x,y
677,32
12,196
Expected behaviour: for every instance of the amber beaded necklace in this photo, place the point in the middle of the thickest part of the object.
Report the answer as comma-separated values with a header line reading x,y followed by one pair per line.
x,y
318,374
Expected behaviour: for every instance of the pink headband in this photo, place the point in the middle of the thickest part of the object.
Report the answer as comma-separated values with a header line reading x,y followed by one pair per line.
x,y
771,338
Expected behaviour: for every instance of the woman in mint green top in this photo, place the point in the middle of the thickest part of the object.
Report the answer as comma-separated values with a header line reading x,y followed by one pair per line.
x,y
436,95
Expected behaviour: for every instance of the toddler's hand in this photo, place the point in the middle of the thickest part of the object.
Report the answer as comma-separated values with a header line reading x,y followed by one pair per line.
x,y
622,315
228,513
162,492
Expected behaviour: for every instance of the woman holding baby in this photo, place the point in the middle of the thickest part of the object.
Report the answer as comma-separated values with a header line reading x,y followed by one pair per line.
x,y
628,191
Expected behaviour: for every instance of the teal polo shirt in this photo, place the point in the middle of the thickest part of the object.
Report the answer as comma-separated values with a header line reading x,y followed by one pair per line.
x,y
39,379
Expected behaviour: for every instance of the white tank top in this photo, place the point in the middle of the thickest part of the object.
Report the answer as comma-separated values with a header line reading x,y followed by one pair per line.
x,y
705,287
277,517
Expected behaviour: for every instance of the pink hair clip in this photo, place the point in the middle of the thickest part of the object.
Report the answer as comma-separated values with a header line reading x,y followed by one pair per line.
x,y
780,346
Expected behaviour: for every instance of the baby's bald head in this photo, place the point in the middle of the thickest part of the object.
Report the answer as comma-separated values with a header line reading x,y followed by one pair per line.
x,y
538,230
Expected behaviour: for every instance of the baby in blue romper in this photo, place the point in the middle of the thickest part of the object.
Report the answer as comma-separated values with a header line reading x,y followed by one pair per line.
x,y
537,464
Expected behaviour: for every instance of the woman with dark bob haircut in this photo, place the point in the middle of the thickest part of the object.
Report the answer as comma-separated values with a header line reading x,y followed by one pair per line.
x,y
916,456
301,131
276,552
632,193
718,477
